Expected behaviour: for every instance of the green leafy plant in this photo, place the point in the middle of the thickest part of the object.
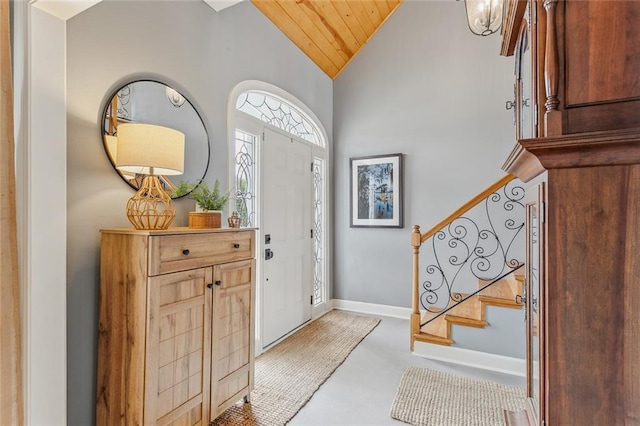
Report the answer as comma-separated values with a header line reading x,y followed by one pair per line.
x,y
207,199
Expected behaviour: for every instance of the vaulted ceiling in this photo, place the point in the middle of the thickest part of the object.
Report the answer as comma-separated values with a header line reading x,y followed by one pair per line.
x,y
330,32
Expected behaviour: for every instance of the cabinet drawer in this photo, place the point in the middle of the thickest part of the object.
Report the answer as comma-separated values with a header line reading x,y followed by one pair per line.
x,y
170,253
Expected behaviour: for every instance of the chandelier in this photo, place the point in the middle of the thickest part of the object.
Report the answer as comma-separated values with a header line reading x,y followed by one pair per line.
x,y
484,16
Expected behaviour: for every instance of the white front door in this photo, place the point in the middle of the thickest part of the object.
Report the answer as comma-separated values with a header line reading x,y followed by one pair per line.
x,y
286,235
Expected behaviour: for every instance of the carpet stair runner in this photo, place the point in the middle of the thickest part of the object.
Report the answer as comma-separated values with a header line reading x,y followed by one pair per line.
x,y
472,312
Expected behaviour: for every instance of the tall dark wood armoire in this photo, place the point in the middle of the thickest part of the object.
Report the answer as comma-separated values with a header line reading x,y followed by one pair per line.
x,y
578,134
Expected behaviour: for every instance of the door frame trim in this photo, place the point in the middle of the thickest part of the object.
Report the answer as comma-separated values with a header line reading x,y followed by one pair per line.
x,y
233,116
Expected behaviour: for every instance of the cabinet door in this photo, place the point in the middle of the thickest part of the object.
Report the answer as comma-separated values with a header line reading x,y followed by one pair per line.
x,y
233,334
178,348
594,73
526,103
535,275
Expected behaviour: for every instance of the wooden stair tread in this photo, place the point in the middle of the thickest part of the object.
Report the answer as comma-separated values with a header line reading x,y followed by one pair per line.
x,y
502,293
429,338
469,313
497,301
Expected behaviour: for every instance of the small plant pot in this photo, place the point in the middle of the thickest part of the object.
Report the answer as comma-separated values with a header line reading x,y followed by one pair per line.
x,y
205,219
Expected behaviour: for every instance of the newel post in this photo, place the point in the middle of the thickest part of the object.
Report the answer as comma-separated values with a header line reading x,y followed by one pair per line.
x,y
416,241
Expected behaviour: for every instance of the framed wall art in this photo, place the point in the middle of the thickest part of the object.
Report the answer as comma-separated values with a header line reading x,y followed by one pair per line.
x,y
376,191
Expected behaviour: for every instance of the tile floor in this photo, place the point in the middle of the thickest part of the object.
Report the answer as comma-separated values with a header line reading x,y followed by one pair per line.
x,y
361,390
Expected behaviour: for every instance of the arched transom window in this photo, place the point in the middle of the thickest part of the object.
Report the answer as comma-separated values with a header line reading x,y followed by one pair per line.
x,y
279,113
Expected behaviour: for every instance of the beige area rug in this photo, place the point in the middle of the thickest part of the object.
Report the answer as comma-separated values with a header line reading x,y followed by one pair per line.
x,y
289,373
432,398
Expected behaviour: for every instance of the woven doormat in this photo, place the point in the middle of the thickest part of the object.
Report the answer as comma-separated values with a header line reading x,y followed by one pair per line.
x,y
432,398
288,374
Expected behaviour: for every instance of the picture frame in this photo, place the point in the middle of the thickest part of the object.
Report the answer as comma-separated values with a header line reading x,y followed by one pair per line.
x,y
376,191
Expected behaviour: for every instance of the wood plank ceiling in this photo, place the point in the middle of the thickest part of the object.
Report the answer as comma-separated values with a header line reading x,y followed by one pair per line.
x,y
330,32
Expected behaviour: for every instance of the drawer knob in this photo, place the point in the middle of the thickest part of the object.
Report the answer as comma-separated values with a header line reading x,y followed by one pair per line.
x,y
218,282
236,245
185,252
210,285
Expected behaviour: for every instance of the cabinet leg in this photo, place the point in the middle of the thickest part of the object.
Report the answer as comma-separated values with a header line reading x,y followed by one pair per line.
x,y
247,398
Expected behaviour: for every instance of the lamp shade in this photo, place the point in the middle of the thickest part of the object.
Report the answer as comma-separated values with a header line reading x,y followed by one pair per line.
x,y
484,16
111,143
142,147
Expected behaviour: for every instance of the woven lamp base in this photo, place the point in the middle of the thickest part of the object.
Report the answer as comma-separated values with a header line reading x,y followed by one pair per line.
x,y
151,207
206,219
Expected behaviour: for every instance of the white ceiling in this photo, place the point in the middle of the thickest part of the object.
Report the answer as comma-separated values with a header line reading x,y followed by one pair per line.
x,y
66,9
218,5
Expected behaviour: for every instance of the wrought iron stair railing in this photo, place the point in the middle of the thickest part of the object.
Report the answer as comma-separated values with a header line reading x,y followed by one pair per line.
x,y
482,241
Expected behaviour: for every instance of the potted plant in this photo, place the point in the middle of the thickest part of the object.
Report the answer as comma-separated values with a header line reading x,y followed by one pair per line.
x,y
210,203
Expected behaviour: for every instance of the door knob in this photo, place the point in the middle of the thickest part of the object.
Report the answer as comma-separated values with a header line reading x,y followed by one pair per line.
x,y
268,254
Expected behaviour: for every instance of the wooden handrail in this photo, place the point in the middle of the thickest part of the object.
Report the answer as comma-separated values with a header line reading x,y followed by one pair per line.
x,y
466,207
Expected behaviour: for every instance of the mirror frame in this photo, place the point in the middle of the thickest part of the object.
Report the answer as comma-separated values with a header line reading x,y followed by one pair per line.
x,y
103,131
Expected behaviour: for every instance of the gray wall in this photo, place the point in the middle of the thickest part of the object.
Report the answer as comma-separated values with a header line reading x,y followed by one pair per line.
x,y
202,53
424,86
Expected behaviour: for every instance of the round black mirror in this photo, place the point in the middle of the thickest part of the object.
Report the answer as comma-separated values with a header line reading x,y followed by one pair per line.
x,y
153,102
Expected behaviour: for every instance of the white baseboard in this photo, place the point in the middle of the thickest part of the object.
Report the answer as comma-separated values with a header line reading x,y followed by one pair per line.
x,y
476,359
371,308
451,354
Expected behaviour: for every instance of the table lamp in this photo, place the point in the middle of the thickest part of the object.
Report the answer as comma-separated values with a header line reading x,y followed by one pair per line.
x,y
150,150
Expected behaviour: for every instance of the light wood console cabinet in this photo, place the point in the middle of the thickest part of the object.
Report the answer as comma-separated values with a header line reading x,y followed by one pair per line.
x,y
176,328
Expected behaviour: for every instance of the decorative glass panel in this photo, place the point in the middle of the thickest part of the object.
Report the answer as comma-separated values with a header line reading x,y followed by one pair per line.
x,y
534,279
245,178
533,303
279,113
318,220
